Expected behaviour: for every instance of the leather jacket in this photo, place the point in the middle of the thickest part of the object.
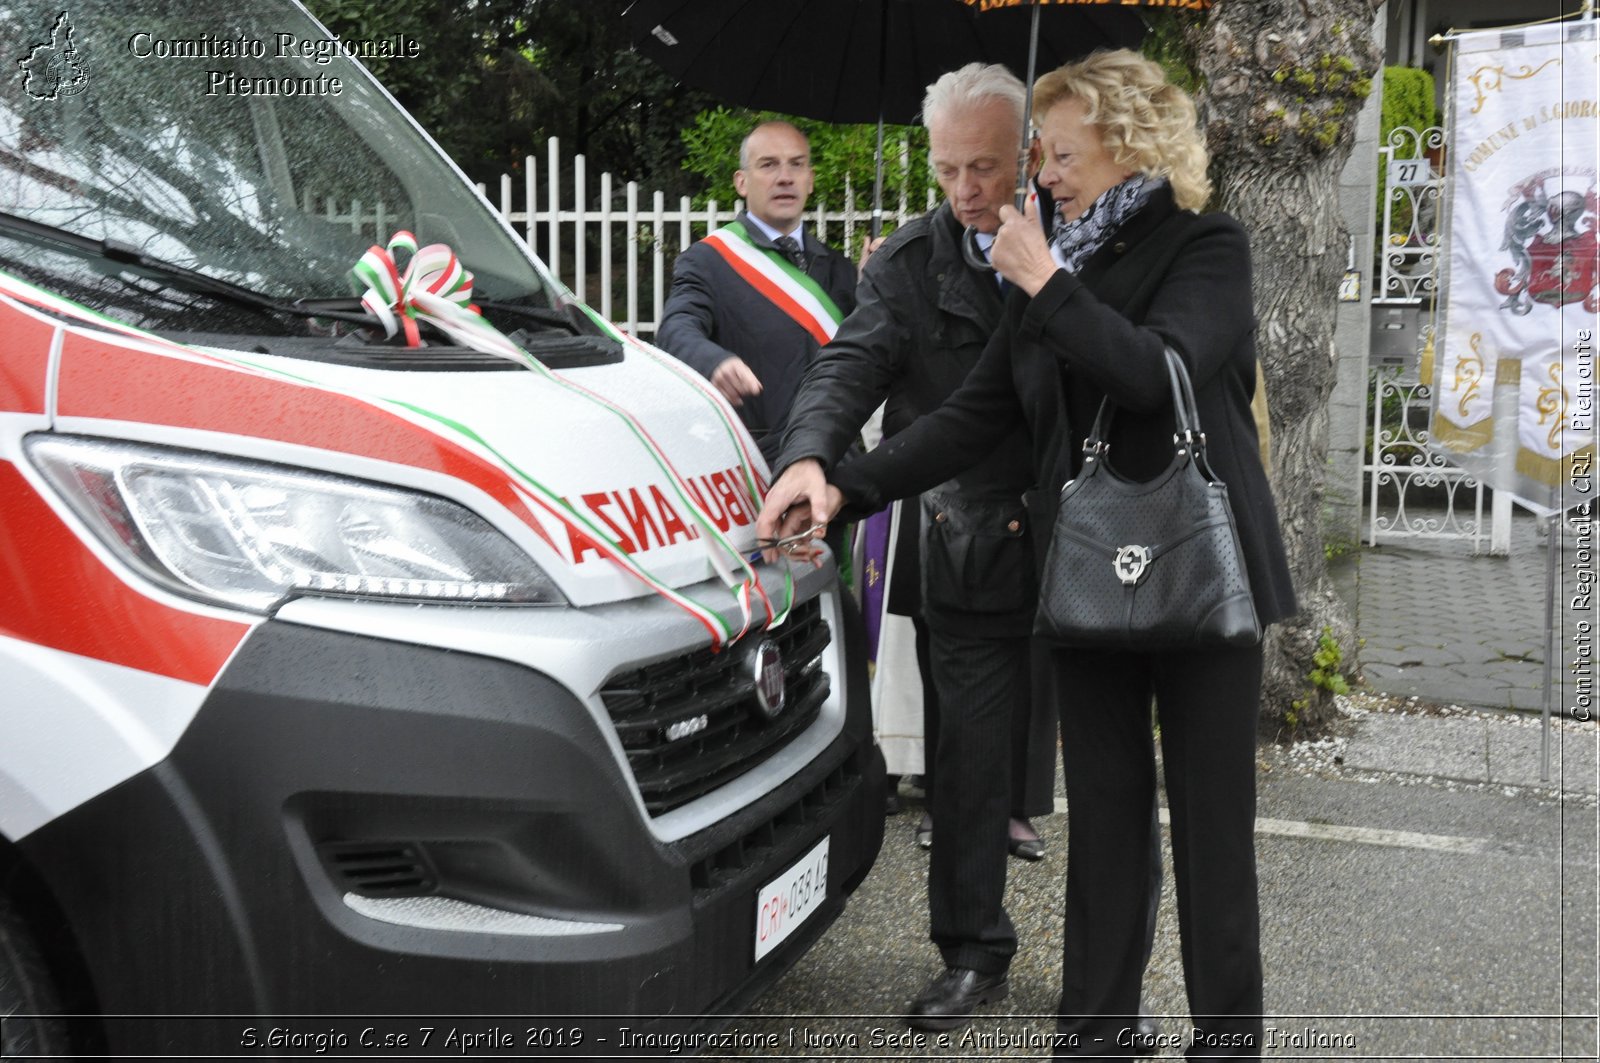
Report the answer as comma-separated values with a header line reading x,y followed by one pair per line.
x,y
922,319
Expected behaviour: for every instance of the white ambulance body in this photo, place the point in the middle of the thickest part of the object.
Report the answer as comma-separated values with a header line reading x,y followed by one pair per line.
x,y
340,677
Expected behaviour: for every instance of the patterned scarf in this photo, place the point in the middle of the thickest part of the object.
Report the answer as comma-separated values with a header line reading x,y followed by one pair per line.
x,y
1073,242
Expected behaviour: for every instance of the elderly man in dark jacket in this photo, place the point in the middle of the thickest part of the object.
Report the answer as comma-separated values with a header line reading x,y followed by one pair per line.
x,y
922,319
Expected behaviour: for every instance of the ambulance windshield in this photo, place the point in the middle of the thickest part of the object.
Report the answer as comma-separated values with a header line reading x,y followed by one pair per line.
x,y
234,140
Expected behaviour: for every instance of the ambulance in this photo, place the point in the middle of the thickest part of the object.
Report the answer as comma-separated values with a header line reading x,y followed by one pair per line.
x,y
384,645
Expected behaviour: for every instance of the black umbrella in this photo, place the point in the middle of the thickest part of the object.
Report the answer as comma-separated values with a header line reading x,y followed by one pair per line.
x,y
856,60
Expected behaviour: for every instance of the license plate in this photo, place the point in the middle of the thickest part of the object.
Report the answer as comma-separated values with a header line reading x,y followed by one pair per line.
x,y
791,898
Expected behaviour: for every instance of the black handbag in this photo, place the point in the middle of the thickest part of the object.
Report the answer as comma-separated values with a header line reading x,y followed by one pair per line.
x,y
1147,566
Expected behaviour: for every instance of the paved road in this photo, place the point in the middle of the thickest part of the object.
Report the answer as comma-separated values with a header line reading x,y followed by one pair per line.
x,y
1449,625
1424,895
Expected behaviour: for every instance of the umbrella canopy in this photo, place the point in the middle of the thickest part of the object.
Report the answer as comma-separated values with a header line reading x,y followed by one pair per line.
x,y
856,60
1191,5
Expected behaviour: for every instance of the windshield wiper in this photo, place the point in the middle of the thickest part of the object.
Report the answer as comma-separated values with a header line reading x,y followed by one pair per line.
x,y
568,317
175,275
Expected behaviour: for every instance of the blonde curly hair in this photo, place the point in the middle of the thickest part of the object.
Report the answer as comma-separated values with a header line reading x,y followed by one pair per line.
x,y
1146,123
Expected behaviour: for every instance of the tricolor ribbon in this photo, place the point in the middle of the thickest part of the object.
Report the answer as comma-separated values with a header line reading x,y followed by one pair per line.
x,y
434,287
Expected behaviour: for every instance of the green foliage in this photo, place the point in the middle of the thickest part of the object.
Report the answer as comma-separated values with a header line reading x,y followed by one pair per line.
x,y
1169,41
1324,678
1325,663
711,151
464,54
1407,100
606,101
495,78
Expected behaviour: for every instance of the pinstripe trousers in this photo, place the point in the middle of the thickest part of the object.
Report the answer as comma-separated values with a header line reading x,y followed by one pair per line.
x,y
1207,702
980,680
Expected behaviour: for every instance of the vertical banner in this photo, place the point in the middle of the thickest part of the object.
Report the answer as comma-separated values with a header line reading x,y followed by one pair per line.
x,y
1515,395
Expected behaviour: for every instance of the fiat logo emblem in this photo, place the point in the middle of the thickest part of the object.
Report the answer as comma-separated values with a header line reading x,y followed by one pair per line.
x,y
767,671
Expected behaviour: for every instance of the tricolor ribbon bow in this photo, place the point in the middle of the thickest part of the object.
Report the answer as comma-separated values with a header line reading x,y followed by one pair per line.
x,y
435,288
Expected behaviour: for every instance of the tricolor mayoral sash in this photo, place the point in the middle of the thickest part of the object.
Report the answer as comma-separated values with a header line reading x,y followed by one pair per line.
x,y
778,281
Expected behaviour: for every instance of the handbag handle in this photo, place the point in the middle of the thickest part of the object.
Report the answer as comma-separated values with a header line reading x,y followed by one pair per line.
x,y
1186,413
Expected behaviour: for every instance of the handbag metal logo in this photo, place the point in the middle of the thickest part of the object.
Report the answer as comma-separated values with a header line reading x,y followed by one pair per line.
x,y
1130,563
767,671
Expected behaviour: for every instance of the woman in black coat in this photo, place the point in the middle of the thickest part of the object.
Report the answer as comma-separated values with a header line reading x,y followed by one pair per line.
x,y
1128,270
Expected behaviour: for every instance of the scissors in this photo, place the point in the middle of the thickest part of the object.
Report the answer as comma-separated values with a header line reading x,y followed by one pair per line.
x,y
787,543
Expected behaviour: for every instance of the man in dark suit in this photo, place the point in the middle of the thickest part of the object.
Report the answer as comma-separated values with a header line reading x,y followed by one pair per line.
x,y
751,303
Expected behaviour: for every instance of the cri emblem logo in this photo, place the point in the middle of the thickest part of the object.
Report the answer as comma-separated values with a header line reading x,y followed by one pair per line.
x,y
767,668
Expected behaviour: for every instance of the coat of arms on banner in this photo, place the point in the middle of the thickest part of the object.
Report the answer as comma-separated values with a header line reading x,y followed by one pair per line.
x,y
1550,220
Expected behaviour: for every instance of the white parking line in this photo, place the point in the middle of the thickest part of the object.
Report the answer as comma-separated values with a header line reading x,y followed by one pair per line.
x,y
1399,839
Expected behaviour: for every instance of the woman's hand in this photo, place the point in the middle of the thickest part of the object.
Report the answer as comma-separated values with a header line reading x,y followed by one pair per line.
x,y
867,248
1020,252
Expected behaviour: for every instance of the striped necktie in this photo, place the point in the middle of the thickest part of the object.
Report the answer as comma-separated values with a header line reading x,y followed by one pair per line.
x,y
791,248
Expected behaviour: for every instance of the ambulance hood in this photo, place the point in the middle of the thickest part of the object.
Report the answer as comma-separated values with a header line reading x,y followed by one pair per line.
x,y
181,222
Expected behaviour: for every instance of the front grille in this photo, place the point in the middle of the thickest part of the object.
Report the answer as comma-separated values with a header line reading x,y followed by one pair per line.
x,y
690,723
714,870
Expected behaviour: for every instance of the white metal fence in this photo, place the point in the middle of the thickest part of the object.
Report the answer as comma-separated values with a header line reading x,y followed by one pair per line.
x,y
613,243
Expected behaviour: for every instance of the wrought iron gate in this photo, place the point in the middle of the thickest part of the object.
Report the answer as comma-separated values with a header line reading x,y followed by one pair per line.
x,y
1410,490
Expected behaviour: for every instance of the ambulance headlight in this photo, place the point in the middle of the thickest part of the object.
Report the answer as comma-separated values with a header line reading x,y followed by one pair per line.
x,y
252,535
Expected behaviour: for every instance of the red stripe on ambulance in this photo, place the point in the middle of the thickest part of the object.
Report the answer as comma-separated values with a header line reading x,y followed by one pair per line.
x,y
49,574
103,380
24,361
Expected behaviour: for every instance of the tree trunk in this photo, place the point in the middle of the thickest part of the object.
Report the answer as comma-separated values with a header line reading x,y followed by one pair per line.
x,y
1284,82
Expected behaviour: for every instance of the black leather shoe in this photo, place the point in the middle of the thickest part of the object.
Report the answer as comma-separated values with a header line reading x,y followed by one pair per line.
x,y
1146,1032
949,1000
1021,846
1029,849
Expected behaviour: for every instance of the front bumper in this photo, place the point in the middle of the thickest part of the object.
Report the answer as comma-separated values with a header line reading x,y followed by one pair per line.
x,y
360,827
